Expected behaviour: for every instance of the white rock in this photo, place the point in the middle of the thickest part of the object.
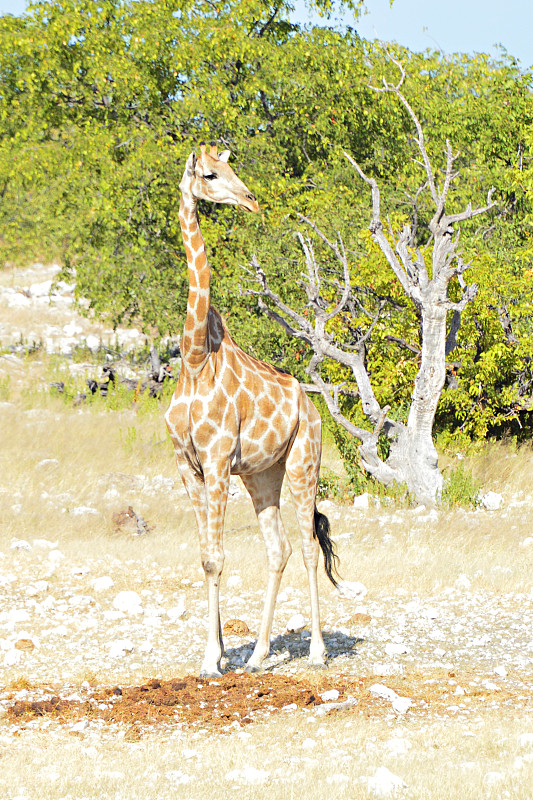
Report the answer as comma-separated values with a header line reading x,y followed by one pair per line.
x,y
119,648
395,649
80,726
177,611
234,581
102,584
45,544
491,501
55,556
146,647
248,775
162,483
326,708
92,342
401,704
385,783
81,511
330,695
296,623
128,602
308,744
18,300
81,601
351,589
459,690
40,289
362,501
500,671
72,329
37,588
46,462
80,572
12,658
380,690
20,544
527,542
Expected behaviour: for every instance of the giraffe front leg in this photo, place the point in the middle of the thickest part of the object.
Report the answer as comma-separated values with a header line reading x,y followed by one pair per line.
x,y
264,490
217,485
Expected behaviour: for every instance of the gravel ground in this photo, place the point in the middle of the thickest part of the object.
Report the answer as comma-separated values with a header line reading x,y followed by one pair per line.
x,y
101,615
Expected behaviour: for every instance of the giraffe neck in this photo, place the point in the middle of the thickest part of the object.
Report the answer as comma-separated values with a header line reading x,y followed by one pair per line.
x,y
194,344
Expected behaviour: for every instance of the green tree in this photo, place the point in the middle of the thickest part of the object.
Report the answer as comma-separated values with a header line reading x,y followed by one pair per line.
x,y
102,102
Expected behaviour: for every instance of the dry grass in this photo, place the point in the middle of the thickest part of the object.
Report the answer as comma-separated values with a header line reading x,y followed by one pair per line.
x,y
445,762
89,450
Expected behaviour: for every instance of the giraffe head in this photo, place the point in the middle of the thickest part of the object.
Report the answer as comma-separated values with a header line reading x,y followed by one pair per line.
x,y
209,177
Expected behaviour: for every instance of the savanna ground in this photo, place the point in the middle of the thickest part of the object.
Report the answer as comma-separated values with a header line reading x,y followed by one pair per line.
x,y
98,690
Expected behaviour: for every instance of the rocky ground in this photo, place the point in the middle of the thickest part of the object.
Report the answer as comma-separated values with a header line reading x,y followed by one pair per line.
x,y
429,687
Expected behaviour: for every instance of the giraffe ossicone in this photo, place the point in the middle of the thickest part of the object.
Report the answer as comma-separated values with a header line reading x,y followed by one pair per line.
x,y
232,414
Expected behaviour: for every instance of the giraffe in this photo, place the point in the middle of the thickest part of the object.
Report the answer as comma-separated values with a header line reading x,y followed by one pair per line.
x,y
234,415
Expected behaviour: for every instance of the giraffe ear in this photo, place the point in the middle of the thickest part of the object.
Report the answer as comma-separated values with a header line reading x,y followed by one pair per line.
x,y
191,164
224,155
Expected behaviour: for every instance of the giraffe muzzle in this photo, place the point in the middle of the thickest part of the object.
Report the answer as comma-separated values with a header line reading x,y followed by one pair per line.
x,y
251,204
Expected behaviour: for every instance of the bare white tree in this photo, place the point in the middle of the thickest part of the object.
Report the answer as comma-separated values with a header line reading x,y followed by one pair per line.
x,y
412,457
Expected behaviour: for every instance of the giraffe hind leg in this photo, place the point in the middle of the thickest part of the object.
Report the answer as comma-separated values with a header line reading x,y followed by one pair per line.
x,y
265,489
302,468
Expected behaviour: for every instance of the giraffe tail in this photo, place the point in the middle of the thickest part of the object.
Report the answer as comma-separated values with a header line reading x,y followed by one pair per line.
x,y
331,559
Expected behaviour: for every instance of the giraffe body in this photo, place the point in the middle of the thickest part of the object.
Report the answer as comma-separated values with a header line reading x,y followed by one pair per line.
x,y
233,414
257,408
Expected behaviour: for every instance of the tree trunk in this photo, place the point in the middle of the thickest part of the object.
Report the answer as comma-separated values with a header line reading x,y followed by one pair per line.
x,y
413,454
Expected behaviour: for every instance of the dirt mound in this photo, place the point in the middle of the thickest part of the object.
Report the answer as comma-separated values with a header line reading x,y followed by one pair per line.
x,y
244,698
230,697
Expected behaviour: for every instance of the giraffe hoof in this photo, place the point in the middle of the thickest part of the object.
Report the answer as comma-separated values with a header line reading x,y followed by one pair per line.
x,y
318,665
253,669
210,675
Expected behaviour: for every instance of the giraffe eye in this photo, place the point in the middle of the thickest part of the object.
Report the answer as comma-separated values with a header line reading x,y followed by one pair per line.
x,y
210,177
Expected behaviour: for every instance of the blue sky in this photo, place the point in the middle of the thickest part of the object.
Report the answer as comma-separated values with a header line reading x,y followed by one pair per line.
x,y
453,26
468,26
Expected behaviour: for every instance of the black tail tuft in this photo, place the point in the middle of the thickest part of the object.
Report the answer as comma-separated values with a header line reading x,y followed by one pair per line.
x,y
331,559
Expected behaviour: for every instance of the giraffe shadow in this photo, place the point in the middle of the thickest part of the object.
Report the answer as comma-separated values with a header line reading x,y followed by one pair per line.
x,y
289,647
